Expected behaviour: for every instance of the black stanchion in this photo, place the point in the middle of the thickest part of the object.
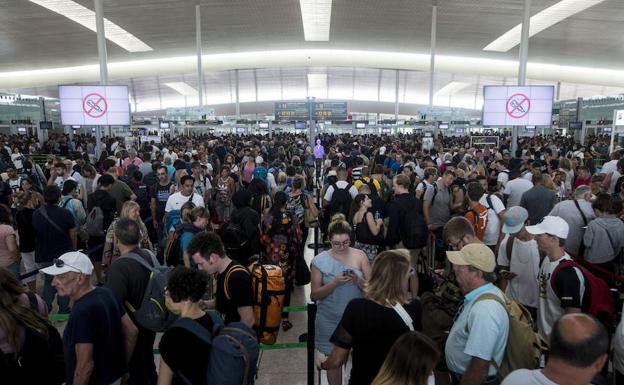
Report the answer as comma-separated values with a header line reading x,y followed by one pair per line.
x,y
311,338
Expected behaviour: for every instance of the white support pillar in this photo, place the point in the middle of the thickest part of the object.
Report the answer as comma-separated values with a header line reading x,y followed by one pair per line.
x,y
198,41
522,65
434,27
101,45
396,97
237,94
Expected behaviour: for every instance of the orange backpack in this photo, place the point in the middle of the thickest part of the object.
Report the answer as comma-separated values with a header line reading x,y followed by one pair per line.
x,y
478,216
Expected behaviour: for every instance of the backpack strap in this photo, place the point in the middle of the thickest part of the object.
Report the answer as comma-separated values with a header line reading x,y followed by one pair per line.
x,y
503,303
191,198
227,279
562,265
195,328
66,203
136,257
488,199
509,247
400,310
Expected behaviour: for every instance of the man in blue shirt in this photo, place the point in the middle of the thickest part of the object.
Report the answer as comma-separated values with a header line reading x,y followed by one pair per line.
x,y
99,337
479,333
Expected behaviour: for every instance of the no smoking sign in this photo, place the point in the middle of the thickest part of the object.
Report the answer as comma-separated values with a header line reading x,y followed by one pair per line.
x,y
518,105
94,105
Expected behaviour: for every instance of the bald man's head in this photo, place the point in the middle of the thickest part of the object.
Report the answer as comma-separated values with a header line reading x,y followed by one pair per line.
x,y
578,339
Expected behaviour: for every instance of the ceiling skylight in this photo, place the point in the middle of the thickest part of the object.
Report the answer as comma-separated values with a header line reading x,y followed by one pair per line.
x,y
316,16
182,88
86,17
451,88
541,21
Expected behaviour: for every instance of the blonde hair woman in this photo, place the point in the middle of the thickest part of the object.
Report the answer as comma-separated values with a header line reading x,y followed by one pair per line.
x,y
370,325
130,210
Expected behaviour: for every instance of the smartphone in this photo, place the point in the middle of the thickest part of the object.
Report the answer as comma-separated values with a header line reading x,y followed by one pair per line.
x,y
347,272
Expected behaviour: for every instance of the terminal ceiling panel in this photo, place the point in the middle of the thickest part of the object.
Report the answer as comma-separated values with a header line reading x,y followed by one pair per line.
x,y
32,36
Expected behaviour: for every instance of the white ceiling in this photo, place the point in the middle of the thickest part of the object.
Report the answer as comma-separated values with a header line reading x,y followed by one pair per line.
x,y
32,37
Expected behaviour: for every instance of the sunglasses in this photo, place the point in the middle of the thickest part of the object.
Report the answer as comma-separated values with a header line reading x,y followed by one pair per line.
x,y
60,264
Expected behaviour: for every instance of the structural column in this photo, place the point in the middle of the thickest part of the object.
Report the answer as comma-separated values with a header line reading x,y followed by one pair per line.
x,y
522,65
237,95
101,45
434,27
198,38
396,98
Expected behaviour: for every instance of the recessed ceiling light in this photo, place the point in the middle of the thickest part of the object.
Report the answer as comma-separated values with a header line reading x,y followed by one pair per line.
x,y
182,88
451,88
86,17
316,16
541,21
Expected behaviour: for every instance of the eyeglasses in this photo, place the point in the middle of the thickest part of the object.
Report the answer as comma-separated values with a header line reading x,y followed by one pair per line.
x,y
60,263
341,244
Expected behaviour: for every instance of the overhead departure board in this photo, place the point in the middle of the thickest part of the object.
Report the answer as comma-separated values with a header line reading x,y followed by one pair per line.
x,y
320,111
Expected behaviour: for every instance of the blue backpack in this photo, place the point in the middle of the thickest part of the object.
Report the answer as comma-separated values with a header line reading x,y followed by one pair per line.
x,y
173,218
234,350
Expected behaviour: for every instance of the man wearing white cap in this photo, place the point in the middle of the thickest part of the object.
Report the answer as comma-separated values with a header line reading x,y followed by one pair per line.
x,y
99,336
480,331
564,294
518,259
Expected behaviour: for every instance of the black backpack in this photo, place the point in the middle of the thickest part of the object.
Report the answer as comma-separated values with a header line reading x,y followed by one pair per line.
x,y
234,239
415,227
371,184
40,360
142,194
340,200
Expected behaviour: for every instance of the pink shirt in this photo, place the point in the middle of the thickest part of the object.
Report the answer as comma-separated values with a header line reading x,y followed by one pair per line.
x,y
127,162
6,258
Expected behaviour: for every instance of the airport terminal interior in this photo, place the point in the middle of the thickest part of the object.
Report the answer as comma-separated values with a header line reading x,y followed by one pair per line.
x,y
290,192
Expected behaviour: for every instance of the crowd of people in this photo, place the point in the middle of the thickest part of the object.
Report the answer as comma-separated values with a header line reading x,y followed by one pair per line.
x,y
540,230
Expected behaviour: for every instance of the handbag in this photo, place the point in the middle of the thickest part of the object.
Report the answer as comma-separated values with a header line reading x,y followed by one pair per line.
x,y
311,213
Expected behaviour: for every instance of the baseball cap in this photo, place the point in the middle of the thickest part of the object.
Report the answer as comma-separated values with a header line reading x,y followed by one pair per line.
x,y
476,255
515,218
382,150
73,261
259,160
551,225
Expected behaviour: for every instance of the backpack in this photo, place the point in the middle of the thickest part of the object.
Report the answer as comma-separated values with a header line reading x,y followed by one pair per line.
x,y
94,224
479,220
386,191
152,314
524,348
416,236
601,299
234,350
142,196
424,190
370,183
269,288
67,205
173,249
341,200
234,239
40,359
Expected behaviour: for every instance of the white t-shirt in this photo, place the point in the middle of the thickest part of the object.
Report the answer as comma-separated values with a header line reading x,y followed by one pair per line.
x,y
17,160
176,201
608,167
503,177
525,261
549,305
528,176
493,222
340,184
527,377
614,178
515,188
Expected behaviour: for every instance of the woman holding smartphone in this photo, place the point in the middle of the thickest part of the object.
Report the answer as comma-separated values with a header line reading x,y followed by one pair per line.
x,y
338,276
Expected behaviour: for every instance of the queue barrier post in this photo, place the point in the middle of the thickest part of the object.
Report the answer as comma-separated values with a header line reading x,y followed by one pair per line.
x,y
310,341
